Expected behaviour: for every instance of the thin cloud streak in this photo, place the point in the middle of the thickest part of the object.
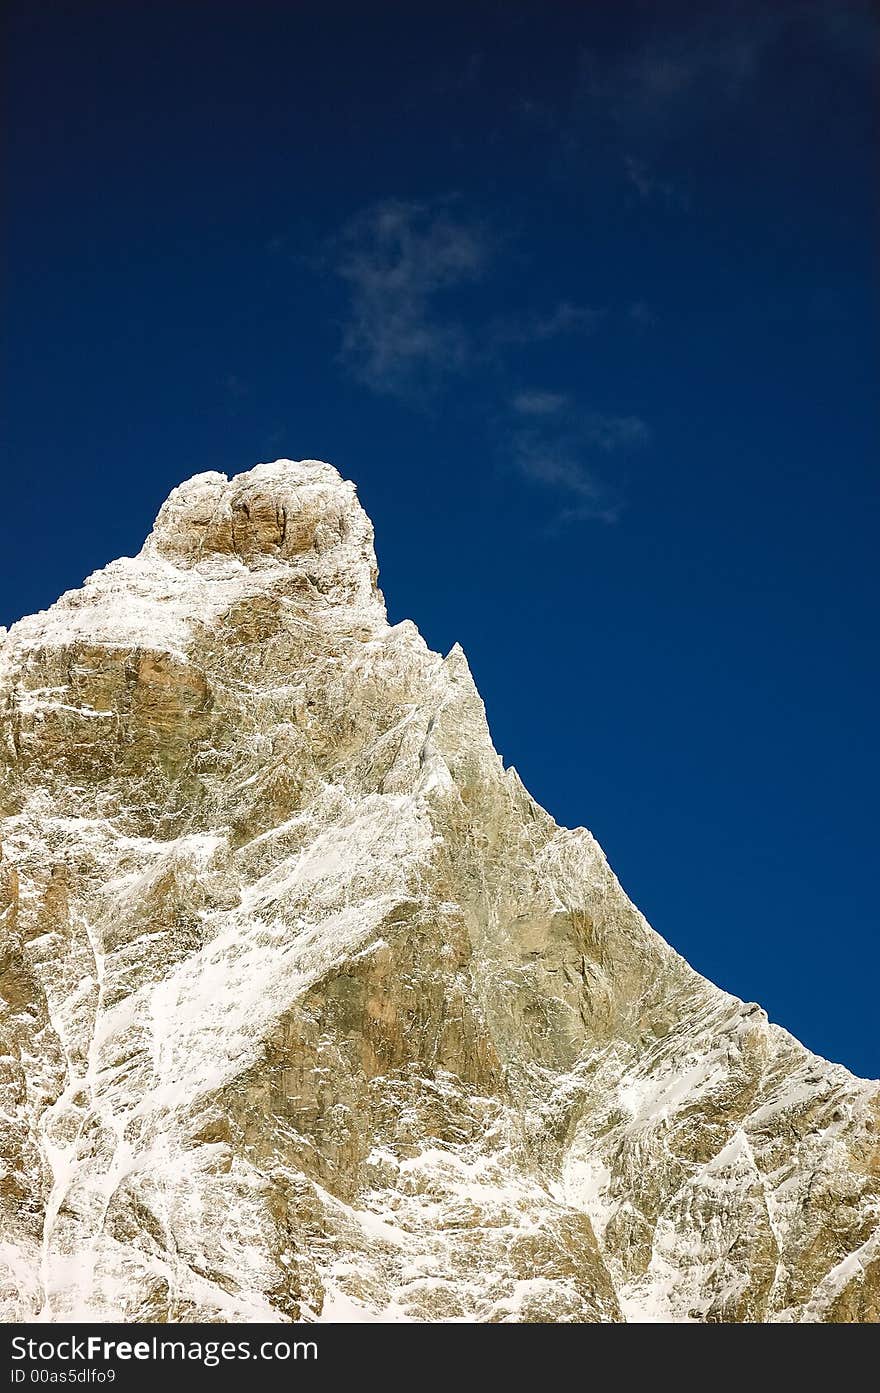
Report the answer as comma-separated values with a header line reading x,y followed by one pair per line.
x,y
557,446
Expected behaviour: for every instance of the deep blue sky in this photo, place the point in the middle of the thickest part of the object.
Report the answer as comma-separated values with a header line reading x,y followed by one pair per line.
x,y
583,297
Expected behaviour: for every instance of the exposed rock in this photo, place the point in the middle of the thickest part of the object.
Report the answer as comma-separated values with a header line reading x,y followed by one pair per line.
x,y
310,1011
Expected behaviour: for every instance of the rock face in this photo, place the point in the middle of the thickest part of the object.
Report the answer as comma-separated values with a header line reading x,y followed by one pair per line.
x,y
310,1012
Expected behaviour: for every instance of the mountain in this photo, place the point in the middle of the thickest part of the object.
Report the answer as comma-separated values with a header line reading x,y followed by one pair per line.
x,y
309,1011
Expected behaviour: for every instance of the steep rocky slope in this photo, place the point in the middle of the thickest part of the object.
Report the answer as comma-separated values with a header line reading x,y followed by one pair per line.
x,y
310,1011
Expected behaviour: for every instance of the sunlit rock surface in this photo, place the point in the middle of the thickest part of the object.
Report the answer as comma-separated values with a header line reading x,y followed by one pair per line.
x,y
310,1012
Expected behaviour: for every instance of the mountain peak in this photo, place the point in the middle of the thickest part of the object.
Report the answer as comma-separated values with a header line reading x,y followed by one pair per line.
x,y
309,1011
290,531
279,511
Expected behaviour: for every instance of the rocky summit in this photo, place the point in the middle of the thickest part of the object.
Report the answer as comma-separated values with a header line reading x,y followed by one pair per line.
x,y
310,1012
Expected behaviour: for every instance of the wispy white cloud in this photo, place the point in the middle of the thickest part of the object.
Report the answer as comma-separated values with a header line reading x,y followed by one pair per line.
x,y
555,444
553,463
400,260
397,259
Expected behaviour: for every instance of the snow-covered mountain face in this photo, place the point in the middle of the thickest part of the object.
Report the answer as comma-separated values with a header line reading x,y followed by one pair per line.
x,y
310,1011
